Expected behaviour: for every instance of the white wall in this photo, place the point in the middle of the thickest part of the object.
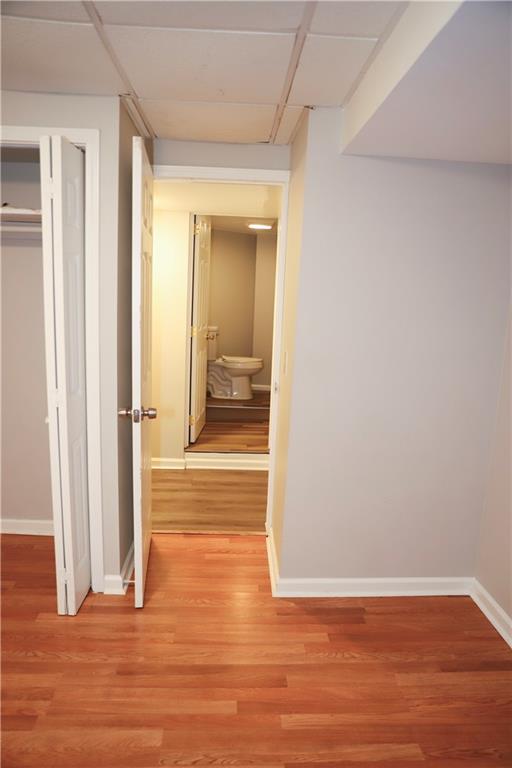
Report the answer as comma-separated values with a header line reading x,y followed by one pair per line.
x,y
206,154
288,340
26,486
494,566
231,305
264,295
401,320
171,230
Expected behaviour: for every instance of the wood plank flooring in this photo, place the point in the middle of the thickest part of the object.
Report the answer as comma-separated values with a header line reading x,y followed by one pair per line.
x,y
215,672
214,501
232,437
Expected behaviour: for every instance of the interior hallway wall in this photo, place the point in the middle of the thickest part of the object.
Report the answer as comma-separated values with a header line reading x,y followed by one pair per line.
x,y
403,300
170,322
264,296
231,305
494,566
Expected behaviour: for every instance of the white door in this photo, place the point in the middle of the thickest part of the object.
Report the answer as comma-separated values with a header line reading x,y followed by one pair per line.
x,y
199,343
141,413
62,192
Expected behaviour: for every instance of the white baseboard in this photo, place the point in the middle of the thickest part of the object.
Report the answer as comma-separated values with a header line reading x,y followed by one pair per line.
x,y
500,620
116,584
163,463
256,461
260,387
27,527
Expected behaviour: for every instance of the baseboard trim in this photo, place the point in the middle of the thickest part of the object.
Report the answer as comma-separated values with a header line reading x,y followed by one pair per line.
x,y
492,611
163,463
27,527
261,387
116,584
251,461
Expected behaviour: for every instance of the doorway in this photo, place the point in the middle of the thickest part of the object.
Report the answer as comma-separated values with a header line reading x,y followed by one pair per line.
x,y
220,455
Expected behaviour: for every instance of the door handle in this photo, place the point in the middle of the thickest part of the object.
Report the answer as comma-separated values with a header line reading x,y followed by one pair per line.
x,y
129,413
149,413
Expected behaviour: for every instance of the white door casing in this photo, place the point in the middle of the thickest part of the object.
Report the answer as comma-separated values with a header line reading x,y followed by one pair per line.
x,y
142,258
199,331
63,208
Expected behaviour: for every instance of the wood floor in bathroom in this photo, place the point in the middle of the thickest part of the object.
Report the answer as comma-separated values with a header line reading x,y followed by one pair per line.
x,y
232,437
209,501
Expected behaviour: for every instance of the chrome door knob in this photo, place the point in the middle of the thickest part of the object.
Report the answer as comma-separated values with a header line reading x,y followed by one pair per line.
x,y
129,413
149,413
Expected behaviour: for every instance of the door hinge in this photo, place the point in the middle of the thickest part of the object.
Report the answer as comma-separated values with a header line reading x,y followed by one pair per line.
x,y
57,398
64,576
193,330
191,421
197,229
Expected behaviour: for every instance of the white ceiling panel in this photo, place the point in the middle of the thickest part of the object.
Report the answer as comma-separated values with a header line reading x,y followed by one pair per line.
x,y
203,66
256,16
56,11
55,57
364,19
291,117
203,121
328,68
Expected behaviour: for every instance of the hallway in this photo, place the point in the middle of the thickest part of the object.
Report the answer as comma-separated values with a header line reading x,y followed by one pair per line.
x,y
209,501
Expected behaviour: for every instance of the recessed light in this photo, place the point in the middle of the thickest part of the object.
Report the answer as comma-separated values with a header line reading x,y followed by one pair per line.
x,y
260,226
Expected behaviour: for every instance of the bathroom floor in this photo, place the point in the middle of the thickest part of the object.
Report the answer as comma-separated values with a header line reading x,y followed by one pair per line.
x,y
232,437
209,501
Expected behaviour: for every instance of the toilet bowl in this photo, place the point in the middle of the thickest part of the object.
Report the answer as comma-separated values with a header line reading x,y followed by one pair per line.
x,y
229,377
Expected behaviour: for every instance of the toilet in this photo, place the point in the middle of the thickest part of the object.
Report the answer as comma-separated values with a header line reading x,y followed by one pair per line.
x,y
229,377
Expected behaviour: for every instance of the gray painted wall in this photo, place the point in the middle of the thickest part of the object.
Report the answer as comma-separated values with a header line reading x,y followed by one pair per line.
x,y
26,486
401,321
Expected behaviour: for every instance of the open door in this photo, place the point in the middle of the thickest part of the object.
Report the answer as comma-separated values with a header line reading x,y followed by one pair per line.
x,y
62,192
199,332
142,259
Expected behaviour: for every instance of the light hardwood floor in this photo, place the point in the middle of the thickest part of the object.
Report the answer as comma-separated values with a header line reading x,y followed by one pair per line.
x,y
215,672
232,437
203,500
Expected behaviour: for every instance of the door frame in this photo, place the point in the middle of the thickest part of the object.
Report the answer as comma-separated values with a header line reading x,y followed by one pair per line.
x,y
89,140
280,178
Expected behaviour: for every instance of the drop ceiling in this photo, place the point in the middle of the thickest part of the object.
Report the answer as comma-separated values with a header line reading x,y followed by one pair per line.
x,y
206,71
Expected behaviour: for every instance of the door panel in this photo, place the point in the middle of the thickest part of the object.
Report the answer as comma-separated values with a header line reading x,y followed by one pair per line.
x,y
62,190
199,345
142,259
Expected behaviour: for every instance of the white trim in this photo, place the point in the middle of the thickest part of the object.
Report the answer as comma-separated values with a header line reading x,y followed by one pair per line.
x,y
163,463
219,174
273,563
27,527
117,584
378,587
255,461
90,139
492,611
261,387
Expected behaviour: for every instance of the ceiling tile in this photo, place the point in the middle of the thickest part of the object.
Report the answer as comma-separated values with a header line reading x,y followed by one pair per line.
x,y
50,57
261,16
203,121
56,11
203,66
291,117
327,69
364,19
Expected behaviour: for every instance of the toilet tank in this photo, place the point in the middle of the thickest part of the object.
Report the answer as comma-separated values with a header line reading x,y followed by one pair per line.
x,y
213,332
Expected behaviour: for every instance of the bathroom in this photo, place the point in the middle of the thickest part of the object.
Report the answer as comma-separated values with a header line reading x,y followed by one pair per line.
x,y
239,335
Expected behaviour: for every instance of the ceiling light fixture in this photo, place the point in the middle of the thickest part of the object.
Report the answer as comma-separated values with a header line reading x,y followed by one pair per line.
x,y
260,226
